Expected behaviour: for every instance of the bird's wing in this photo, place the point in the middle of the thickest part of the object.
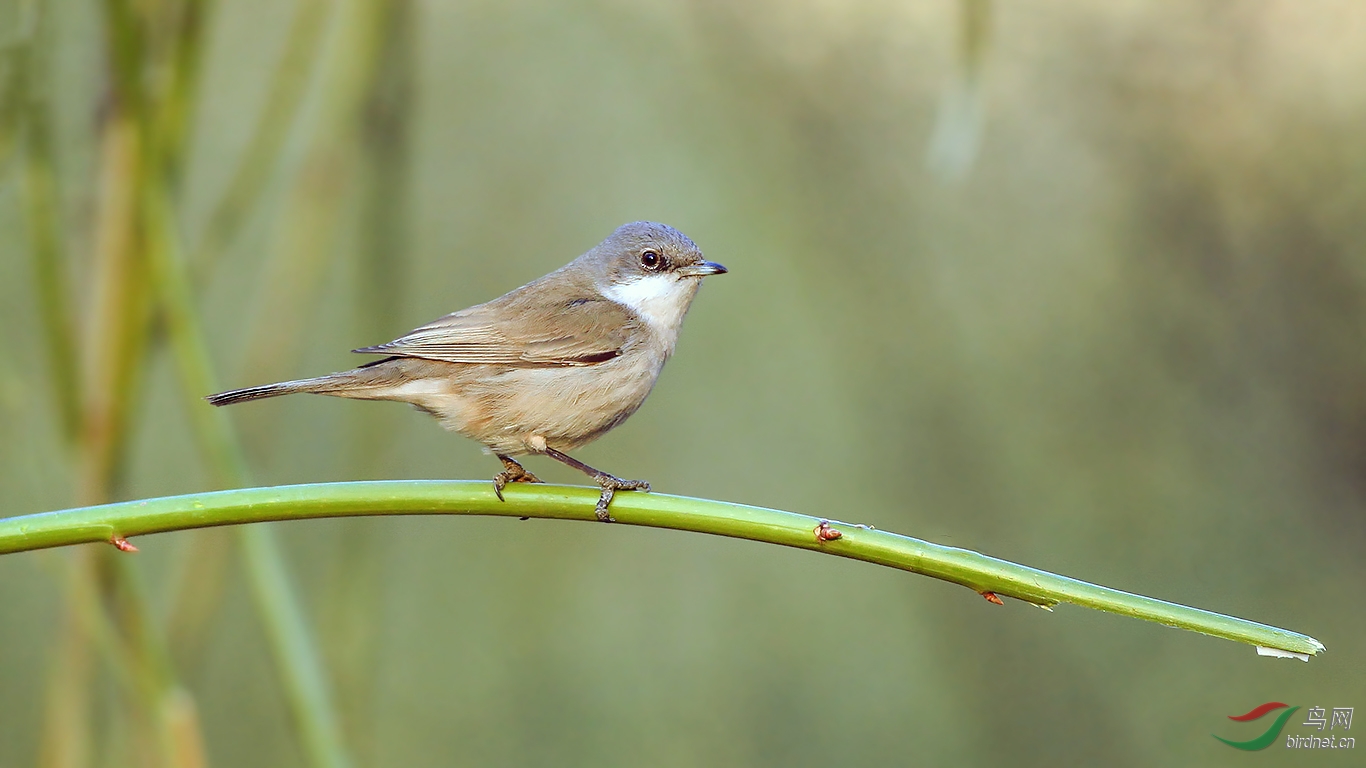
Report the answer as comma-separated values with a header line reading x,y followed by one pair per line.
x,y
583,331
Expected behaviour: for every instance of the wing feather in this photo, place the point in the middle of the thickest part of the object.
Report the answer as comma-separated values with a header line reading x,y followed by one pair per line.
x,y
519,330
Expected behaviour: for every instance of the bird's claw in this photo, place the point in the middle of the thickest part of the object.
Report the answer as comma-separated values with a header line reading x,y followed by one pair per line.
x,y
610,485
512,473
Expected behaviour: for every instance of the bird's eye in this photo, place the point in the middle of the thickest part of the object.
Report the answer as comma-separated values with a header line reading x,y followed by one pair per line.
x,y
651,260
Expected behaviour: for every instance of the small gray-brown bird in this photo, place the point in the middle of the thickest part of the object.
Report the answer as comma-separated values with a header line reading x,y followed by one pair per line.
x,y
547,367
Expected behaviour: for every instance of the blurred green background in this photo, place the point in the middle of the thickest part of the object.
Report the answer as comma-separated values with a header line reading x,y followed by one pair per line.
x,y
1082,287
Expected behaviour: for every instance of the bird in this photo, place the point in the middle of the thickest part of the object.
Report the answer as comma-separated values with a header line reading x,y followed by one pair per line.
x,y
545,368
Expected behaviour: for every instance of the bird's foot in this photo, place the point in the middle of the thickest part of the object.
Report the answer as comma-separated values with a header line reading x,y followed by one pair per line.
x,y
512,473
610,485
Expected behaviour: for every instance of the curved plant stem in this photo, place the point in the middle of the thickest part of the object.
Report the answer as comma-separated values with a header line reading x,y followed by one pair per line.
x,y
983,574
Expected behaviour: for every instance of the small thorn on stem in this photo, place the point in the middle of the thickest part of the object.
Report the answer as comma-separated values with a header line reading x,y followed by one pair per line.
x,y
122,544
992,597
825,533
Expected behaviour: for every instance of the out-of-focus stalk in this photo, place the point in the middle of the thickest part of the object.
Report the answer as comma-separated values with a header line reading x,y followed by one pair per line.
x,y
354,566
105,597
65,740
118,316
42,209
276,604
272,590
958,126
114,347
268,139
314,202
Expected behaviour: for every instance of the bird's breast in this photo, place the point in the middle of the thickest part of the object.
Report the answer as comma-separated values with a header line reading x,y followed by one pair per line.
x,y
567,406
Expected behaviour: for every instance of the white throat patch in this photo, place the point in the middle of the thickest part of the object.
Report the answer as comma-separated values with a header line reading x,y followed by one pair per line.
x,y
661,300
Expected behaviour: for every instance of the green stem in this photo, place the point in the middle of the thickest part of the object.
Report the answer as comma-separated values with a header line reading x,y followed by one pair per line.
x,y
297,502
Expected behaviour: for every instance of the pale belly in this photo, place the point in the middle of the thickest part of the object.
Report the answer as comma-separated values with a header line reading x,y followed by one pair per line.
x,y
522,410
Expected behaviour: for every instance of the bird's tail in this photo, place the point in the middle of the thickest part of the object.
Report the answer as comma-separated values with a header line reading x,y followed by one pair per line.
x,y
321,385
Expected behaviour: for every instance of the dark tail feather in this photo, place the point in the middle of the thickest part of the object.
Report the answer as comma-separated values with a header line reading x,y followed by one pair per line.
x,y
268,390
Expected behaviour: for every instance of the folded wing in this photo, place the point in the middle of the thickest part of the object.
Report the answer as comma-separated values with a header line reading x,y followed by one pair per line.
x,y
525,333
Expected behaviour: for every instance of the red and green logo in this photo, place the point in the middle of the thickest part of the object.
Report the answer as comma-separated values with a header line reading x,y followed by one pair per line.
x,y
1272,733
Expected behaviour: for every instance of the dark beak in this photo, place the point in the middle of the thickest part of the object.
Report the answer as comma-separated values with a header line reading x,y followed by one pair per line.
x,y
702,269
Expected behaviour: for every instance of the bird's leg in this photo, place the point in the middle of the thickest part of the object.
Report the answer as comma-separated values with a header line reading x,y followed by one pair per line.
x,y
512,473
610,483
